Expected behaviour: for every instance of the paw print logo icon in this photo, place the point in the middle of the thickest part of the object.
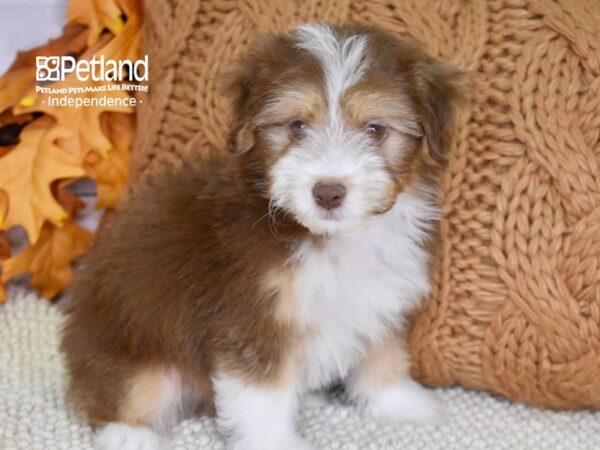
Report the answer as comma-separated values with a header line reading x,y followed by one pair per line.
x,y
47,68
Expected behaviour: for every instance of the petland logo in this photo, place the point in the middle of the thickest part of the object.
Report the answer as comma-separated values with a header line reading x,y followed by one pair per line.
x,y
56,68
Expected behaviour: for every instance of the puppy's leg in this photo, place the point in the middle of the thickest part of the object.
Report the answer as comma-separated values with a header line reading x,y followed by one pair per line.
x,y
257,416
121,436
152,402
382,386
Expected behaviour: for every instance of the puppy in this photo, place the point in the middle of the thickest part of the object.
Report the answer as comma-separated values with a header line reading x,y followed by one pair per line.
x,y
244,284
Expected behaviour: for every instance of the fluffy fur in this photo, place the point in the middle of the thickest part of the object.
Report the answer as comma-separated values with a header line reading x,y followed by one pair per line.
x,y
230,287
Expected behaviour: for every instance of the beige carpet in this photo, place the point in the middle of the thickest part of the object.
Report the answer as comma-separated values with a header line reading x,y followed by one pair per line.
x,y
34,414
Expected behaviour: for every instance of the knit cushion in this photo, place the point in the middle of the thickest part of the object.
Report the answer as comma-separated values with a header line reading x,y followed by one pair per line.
x,y
516,303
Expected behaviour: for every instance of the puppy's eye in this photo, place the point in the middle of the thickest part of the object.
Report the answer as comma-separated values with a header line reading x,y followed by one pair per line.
x,y
377,131
298,128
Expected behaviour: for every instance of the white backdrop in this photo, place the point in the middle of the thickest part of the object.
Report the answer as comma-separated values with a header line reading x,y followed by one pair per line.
x,y
26,24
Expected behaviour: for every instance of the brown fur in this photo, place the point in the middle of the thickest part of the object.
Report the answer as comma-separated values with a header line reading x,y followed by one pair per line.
x,y
182,296
190,274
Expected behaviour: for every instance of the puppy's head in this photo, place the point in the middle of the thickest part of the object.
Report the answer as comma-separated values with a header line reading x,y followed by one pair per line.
x,y
332,121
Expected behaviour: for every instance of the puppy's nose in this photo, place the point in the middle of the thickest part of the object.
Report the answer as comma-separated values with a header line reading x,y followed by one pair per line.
x,y
329,196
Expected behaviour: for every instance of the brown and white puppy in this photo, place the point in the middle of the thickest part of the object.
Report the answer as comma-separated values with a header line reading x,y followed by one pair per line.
x,y
247,283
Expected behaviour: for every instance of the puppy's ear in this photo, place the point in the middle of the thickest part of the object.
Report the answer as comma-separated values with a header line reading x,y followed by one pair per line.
x,y
237,84
441,90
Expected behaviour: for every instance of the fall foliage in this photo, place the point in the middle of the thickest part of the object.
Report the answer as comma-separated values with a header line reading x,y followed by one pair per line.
x,y
44,148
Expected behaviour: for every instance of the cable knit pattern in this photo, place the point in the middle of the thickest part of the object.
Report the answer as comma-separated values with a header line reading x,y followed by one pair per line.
x,y
516,304
35,415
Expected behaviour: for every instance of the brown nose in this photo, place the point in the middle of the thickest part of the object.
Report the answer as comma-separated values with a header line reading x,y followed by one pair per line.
x,y
329,196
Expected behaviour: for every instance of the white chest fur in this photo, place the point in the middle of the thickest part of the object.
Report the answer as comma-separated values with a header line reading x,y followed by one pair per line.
x,y
355,288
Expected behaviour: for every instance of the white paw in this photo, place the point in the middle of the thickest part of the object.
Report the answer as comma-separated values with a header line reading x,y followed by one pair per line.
x,y
292,442
405,402
297,443
119,436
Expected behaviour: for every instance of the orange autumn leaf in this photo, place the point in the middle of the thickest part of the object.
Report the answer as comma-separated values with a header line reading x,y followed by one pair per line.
x,y
18,83
27,172
6,151
64,144
4,247
10,128
49,259
69,201
71,204
132,9
97,15
3,207
126,44
83,121
8,118
111,173
4,254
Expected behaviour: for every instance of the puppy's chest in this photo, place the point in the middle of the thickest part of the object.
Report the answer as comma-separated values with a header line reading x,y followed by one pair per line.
x,y
351,291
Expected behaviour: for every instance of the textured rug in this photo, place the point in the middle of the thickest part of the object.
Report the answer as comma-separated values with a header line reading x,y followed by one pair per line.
x,y
34,414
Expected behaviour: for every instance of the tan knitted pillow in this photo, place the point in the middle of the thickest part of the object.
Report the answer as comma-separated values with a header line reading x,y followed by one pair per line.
x,y
516,307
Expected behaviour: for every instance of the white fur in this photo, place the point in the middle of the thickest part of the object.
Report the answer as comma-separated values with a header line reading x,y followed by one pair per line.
x,y
326,155
403,402
120,436
315,399
357,287
343,60
330,151
257,418
171,402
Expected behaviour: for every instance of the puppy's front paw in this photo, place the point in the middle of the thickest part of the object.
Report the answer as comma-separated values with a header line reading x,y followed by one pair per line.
x,y
407,402
119,436
292,442
297,443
